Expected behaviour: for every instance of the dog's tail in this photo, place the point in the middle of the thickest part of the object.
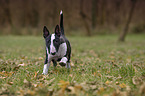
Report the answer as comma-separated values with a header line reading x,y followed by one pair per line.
x,y
61,22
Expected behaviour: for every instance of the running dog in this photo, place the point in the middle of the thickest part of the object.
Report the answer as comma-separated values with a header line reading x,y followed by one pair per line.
x,y
58,48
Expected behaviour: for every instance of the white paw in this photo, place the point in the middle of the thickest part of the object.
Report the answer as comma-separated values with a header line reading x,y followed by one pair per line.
x,y
63,60
45,69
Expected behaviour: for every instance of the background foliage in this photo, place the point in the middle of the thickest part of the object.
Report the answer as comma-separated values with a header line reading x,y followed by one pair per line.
x,y
24,17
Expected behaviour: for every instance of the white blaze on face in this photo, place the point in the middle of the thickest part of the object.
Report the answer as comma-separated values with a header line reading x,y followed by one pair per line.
x,y
52,48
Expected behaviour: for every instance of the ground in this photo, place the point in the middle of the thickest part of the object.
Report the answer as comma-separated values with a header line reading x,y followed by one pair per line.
x,y
99,66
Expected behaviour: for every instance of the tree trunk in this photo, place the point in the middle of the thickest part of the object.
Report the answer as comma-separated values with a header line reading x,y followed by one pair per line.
x,y
7,12
117,11
94,13
103,12
84,18
124,33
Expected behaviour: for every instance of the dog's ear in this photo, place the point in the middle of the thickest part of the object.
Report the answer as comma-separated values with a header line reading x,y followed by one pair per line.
x,y
45,32
57,32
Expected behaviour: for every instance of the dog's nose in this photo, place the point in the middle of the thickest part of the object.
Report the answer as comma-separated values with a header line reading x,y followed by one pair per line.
x,y
53,53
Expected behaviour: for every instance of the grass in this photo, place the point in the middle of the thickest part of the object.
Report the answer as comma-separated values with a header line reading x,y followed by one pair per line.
x,y
100,66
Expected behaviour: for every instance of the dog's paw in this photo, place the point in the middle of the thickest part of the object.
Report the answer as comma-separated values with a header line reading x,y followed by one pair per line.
x,y
45,69
62,63
44,73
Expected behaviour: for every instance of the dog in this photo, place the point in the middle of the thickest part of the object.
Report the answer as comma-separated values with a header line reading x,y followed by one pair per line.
x,y
58,48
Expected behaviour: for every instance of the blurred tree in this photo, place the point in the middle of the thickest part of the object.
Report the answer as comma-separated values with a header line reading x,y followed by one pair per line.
x,y
117,11
124,33
6,13
94,13
107,15
84,18
103,12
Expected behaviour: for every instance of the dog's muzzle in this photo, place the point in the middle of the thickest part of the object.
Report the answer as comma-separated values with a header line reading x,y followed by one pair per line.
x,y
53,53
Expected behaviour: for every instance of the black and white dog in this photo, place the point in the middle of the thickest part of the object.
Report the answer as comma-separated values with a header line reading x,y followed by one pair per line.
x,y
57,47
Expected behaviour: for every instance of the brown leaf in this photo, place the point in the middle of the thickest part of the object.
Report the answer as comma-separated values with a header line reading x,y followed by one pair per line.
x,y
16,68
72,90
10,83
40,58
122,85
142,89
128,60
72,64
30,92
23,64
70,75
107,82
25,81
63,84
36,74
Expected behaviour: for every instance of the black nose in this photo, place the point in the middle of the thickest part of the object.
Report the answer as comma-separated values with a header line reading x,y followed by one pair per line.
x,y
53,53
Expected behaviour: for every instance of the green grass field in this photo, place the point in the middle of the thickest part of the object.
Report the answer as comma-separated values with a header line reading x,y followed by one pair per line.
x,y
99,66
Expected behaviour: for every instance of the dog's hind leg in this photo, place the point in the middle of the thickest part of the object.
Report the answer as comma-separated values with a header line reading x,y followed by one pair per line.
x,y
67,65
54,63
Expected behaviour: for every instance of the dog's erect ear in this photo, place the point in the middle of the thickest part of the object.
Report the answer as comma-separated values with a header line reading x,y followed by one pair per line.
x,y
45,32
57,32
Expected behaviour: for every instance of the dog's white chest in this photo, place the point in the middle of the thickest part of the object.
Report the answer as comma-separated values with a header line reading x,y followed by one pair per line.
x,y
62,50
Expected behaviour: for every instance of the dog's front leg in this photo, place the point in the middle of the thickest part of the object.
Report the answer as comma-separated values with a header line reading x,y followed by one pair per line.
x,y
63,61
46,64
45,69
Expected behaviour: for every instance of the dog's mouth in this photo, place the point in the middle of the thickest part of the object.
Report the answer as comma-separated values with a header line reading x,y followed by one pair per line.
x,y
62,63
53,53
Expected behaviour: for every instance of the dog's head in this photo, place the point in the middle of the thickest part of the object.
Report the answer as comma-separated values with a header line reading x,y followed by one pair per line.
x,y
53,41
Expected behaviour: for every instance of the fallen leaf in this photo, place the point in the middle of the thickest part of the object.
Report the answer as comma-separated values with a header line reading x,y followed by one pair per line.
x,y
48,82
133,80
99,74
10,83
36,74
72,64
100,90
142,89
107,82
40,58
98,59
128,60
25,81
117,83
78,87
30,92
63,84
16,68
2,77
72,89
70,75
122,85
23,64
6,73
